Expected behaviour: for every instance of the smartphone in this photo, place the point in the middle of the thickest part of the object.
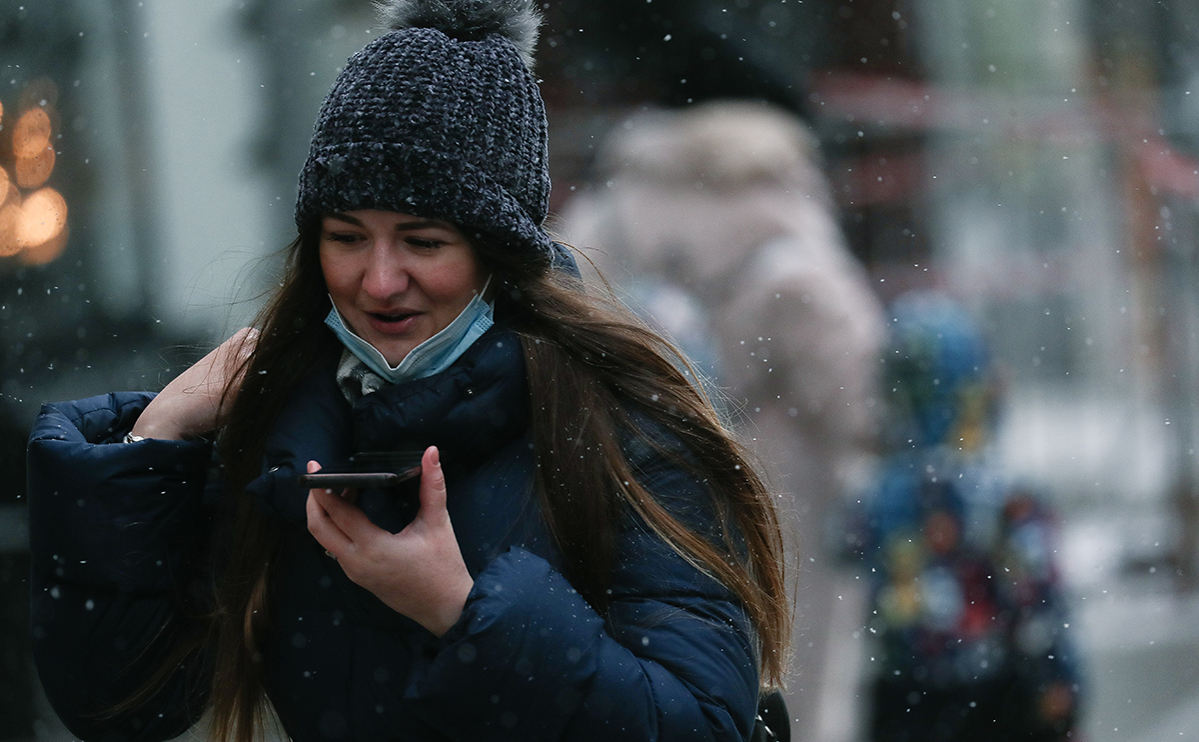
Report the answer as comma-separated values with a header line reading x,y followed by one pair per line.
x,y
373,469
336,480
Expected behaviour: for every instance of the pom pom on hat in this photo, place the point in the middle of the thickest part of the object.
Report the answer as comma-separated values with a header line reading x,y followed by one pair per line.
x,y
518,20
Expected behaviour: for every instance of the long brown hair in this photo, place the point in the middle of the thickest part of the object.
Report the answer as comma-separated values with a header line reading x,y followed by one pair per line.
x,y
591,365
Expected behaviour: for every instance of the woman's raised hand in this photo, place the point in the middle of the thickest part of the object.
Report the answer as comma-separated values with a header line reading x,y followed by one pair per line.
x,y
419,571
192,403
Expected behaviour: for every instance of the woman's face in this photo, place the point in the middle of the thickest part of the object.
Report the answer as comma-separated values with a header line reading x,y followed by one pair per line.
x,y
397,279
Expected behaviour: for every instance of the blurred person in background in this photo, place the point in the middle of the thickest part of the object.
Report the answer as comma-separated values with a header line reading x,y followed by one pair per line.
x,y
966,607
716,221
588,554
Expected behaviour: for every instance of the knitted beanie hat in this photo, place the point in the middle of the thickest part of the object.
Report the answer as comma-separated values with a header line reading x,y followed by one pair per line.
x,y
440,117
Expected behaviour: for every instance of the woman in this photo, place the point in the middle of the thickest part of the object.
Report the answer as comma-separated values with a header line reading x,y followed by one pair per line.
x,y
587,554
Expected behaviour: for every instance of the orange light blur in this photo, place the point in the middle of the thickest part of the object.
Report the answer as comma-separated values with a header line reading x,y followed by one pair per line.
x,y
43,217
31,134
45,252
10,216
33,226
33,172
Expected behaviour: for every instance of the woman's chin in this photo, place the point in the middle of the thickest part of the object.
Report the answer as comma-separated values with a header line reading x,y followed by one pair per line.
x,y
395,342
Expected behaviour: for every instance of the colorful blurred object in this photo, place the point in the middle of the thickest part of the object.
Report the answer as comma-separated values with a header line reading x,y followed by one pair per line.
x,y
33,216
966,603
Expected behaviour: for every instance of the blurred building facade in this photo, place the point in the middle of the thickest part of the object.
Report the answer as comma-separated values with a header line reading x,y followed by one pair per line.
x,y
1039,161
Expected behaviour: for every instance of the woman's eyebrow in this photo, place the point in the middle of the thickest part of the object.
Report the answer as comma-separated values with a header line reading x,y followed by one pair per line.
x,y
402,226
344,218
423,224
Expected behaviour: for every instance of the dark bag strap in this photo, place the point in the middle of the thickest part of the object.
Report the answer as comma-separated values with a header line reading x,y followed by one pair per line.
x,y
772,723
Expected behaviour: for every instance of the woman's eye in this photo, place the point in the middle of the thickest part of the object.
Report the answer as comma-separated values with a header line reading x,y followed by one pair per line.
x,y
345,237
424,243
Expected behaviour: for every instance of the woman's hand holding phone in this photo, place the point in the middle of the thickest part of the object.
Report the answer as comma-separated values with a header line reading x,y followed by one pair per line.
x,y
418,572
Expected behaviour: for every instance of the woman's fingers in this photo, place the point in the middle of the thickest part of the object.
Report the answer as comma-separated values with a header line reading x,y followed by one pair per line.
x,y
419,571
322,524
432,486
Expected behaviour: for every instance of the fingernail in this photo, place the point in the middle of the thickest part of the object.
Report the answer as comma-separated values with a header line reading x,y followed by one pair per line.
x,y
436,456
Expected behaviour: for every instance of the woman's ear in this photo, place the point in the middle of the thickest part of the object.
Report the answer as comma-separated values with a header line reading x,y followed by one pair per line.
x,y
564,260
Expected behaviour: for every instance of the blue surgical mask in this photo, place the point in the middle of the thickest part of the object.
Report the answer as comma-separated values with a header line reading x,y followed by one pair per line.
x,y
430,357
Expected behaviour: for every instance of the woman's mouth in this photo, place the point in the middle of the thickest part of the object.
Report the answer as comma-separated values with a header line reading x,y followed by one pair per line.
x,y
391,317
397,322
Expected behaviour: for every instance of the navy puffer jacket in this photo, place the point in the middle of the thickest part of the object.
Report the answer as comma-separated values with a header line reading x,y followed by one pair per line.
x,y
119,534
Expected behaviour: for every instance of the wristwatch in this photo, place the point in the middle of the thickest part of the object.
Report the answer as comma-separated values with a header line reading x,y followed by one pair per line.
x,y
131,438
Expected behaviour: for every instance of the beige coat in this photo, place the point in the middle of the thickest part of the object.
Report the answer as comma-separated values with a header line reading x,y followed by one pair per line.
x,y
725,206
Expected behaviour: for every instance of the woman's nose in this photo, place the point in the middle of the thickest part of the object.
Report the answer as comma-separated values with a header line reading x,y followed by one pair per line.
x,y
385,273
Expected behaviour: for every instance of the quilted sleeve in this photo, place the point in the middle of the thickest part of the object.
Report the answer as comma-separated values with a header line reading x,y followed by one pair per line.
x,y
117,532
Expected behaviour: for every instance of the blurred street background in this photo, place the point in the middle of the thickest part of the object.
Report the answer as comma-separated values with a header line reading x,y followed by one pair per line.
x,y
1037,160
